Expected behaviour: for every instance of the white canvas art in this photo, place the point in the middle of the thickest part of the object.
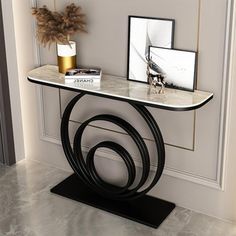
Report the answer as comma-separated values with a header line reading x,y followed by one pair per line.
x,y
177,66
145,32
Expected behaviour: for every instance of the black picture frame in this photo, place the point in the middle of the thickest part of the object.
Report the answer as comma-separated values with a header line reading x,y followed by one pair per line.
x,y
193,77
130,17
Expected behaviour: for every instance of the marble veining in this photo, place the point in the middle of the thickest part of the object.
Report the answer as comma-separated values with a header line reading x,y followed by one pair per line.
x,y
27,208
122,88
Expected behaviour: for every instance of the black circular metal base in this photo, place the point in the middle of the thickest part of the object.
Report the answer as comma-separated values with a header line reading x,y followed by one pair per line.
x,y
85,168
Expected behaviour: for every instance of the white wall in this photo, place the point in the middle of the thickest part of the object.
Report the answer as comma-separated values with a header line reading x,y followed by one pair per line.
x,y
193,179
105,45
10,42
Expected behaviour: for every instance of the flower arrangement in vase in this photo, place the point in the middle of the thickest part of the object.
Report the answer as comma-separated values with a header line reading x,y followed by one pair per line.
x,y
58,27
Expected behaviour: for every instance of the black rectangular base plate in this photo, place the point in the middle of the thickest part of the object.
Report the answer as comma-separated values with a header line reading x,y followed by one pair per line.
x,y
146,210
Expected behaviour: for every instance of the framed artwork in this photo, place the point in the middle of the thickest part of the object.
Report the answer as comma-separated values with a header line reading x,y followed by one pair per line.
x,y
145,32
177,66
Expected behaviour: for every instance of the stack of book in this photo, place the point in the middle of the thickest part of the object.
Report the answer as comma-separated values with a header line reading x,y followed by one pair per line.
x,y
83,75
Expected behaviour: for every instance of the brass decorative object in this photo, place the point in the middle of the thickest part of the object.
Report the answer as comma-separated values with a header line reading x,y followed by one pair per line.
x,y
65,63
66,56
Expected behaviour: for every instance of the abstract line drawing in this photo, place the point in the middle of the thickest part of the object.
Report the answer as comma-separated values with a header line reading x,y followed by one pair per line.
x,y
145,32
178,66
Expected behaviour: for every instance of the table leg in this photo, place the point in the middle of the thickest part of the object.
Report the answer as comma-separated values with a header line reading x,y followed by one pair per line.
x,y
86,186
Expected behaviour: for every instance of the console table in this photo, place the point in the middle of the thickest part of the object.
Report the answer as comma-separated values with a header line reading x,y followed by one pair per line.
x,y
85,185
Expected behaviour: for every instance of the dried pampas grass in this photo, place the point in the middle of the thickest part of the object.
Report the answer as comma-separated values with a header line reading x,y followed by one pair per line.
x,y
55,27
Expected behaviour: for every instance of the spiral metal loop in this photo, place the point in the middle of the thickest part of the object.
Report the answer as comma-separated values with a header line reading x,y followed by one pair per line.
x,y
85,168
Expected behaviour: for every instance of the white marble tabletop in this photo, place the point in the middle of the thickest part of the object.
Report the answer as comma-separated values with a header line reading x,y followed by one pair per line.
x,y
122,89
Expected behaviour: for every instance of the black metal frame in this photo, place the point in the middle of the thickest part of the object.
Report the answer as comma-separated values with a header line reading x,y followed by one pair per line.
x,y
195,67
85,185
129,27
128,201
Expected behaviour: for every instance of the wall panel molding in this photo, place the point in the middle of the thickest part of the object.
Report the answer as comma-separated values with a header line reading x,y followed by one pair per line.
x,y
218,182
225,101
145,138
110,155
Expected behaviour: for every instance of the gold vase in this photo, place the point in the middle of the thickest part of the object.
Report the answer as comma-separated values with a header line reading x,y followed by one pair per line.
x,y
66,56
